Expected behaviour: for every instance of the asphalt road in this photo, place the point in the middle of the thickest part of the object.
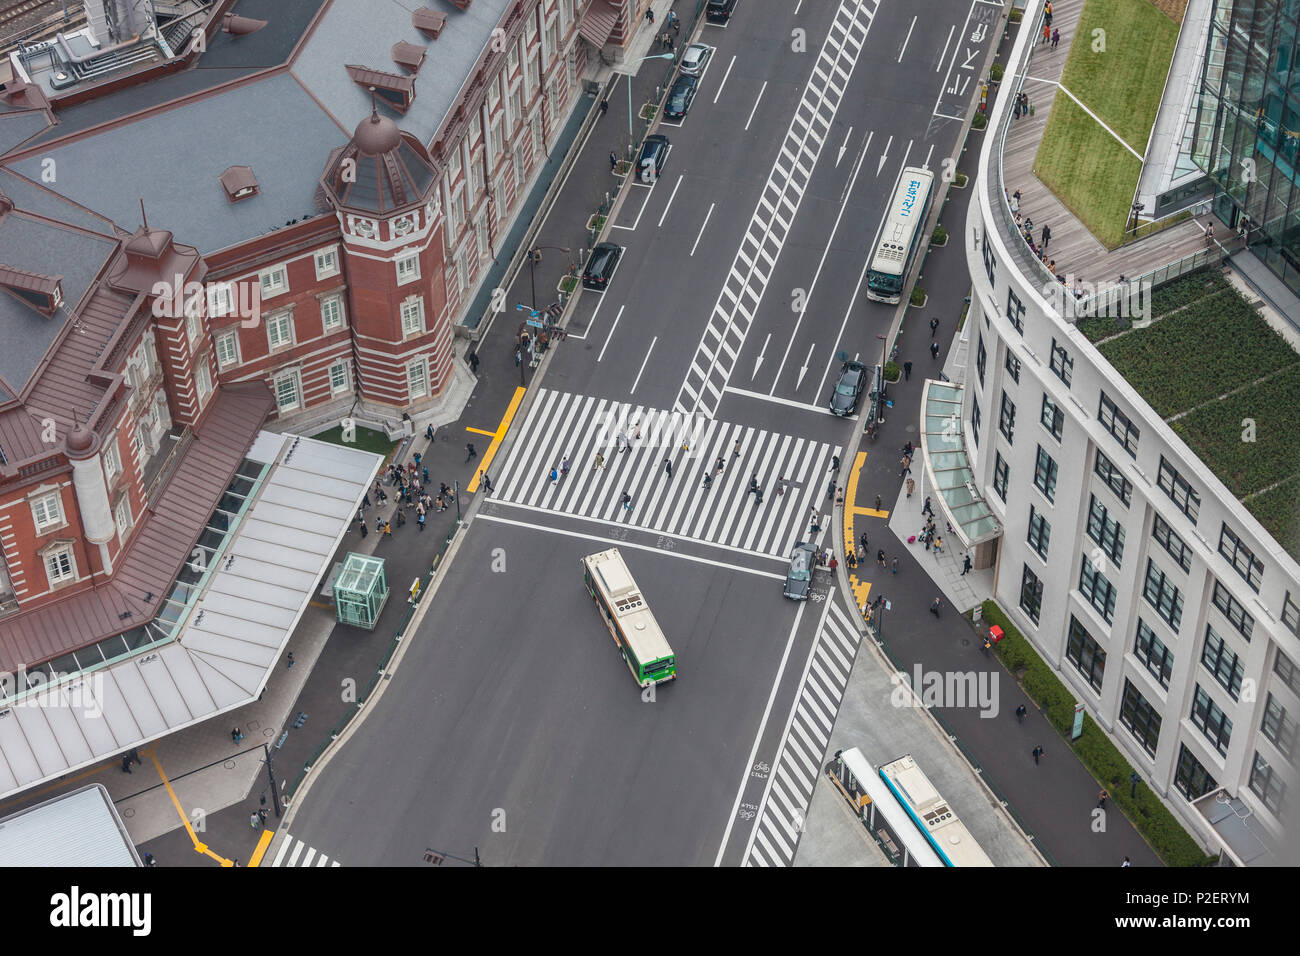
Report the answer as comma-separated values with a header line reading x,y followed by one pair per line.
x,y
512,724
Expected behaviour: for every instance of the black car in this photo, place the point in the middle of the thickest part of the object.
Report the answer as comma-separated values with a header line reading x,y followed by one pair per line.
x,y
601,265
844,399
653,150
679,98
798,580
719,11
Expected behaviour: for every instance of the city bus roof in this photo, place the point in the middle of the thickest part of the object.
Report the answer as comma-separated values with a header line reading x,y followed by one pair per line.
x,y
896,818
634,616
896,235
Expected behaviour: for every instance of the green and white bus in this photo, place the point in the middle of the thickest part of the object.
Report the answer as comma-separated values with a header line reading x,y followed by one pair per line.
x,y
629,618
902,233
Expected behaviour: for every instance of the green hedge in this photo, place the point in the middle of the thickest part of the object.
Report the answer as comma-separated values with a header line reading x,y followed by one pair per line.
x,y
1277,512
1093,748
1103,328
1186,290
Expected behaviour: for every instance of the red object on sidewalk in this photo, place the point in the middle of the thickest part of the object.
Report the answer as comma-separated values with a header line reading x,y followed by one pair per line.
x,y
995,633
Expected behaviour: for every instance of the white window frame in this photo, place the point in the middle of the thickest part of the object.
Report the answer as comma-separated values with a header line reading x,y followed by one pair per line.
x,y
326,262
494,93
273,281
331,303
516,107
412,307
123,526
290,376
230,338
203,379
462,268
498,139
408,268
476,177
221,299
49,504
453,163
512,59
421,367
52,556
272,323
530,27
112,459
475,130
481,236
338,389
193,327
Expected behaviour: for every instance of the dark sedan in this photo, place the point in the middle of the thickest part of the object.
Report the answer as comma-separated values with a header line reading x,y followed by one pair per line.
x,y
653,153
601,265
680,97
798,580
844,399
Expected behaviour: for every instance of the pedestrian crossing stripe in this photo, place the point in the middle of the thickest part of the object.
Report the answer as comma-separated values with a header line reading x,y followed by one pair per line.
x,y
784,807
293,852
564,425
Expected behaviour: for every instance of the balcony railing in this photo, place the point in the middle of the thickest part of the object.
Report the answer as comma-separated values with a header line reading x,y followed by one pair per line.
x,y
143,393
159,480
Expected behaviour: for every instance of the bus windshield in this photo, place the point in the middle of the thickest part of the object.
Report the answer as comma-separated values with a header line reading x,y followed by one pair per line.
x,y
882,282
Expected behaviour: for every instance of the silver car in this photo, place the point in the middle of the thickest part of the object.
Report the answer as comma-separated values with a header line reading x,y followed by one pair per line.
x,y
694,58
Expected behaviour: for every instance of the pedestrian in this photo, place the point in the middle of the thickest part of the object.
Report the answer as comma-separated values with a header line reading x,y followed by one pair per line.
x,y
675,21
925,509
613,161
668,467
753,484
650,14
364,531
1047,33
671,41
428,432
236,735
830,489
925,536
908,449
839,498
835,463
1101,799
934,327
911,486
934,608
519,357
421,521
735,451
1038,752
126,764
877,502
627,501
487,482
401,520
1020,713
852,559
599,462
708,481
604,106
938,546
965,565
865,545
780,485
719,465
289,662
1047,236
758,495
564,467
880,557
907,371
894,565
934,350
254,821
906,464
262,814
1056,38
833,564
424,474
149,860
814,529
1125,863
133,755
469,451
388,529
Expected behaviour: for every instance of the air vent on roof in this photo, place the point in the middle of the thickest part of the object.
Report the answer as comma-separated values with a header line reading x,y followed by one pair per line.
x,y
397,91
40,292
239,183
428,22
463,4
408,56
239,26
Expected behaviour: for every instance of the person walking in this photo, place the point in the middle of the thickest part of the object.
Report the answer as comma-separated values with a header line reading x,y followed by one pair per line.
x,y
613,167
934,350
604,106
289,662
906,462
668,467
420,521
1101,799
907,371
487,482
1127,862
719,465
851,559
472,357
236,735
126,765
1056,37
1038,752
839,497
877,502
469,451
1020,714
1047,236
149,860
830,489
735,450
564,467
133,755
627,501
894,565
708,481
911,486
554,476
965,565
758,495
364,530
865,545
388,529
599,462
675,22
650,14
1047,34
926,509
254,821
934,327
753,484
934,608
880,557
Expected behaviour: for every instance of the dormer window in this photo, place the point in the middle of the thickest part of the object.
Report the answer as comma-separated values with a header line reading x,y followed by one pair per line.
x,y
397,91
42,293
239,183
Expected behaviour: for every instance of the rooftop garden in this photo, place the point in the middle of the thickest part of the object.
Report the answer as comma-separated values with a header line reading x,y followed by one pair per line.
x,y
1227,383
1119,57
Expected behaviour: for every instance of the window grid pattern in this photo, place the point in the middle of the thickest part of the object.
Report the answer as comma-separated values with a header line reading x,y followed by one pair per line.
x,y
1086,654
1040,532
1045,474
1178,489
1105,531
1154,655
1211,720
1231,608
1119,425
1053,418
1097,589
1162,595
1241,558
1031,594
1172,543
1141,719
1116,482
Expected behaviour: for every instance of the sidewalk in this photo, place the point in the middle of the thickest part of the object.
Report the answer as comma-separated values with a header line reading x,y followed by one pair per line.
x,y
1054,800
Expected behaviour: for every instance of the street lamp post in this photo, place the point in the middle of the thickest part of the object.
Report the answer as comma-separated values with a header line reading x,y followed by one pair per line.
x,y
657,56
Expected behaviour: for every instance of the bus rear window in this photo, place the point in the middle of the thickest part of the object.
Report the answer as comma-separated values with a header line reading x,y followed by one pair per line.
x,y
659,665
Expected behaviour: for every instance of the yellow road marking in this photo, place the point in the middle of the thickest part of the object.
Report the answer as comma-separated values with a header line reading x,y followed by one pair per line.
x,y
263,842
320,604
850,497
199,845
486,461
480,431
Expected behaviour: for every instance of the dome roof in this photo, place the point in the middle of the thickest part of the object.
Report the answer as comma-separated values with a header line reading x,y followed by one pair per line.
x,y
80,440
149,243
376,134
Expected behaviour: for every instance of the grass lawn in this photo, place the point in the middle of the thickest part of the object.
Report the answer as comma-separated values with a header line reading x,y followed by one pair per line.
x,y
367,439
1079,160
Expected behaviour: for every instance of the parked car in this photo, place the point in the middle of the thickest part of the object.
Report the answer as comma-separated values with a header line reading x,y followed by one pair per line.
x,y
844,398
694,58
798,579
654,149
601,265
719,11
680,97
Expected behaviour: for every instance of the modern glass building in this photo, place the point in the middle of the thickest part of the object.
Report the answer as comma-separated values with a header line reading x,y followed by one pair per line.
x,y
1247,126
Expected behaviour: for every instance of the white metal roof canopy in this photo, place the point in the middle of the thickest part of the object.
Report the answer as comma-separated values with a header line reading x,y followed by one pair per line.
x,y
948,466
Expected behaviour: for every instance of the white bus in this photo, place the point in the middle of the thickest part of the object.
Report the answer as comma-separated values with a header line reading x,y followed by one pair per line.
x,y
629,619
881,812
901,235
931,813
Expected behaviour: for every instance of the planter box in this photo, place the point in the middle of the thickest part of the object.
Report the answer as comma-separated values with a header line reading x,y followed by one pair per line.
x,y
920,305
936,244
648,112
595,222
567,285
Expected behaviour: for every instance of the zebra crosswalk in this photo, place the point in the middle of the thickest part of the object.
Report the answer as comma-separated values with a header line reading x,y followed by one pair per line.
x,y
563,425
293,852
784,808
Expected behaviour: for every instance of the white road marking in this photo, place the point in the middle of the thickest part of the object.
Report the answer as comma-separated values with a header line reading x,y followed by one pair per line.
x,y
702,225
292,843
732,389
609,337
759,361
884,158
632,390
906,39
761,90
843,147
670,202
803,370
724,79
939,65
